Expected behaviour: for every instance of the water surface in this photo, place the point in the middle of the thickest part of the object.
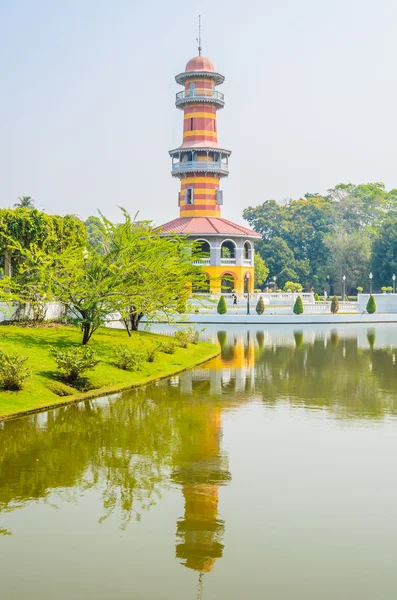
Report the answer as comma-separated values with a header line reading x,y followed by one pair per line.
x,y
269,472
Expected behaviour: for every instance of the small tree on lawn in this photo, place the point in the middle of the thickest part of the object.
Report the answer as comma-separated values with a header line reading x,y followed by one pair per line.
x,y
260,306
298,306
334,305
371,305
221,308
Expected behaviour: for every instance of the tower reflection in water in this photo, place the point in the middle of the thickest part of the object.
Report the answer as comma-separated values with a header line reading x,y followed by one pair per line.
x,y
202,467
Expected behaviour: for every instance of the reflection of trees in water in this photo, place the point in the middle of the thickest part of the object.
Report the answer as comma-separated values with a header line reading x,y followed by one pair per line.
x,y
338,375
127,449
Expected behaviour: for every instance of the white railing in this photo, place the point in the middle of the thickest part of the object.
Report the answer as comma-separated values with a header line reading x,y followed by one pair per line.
x,y
228,261
202,261
199,165
192,94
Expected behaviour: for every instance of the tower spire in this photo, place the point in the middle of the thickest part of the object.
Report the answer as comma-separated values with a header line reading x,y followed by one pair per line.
x,y
199,37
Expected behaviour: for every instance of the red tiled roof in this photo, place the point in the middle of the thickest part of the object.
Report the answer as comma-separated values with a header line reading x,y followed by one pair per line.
x,y
206,226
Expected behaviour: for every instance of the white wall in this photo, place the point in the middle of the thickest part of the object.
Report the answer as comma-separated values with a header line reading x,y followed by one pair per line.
x,y
385,303
8,311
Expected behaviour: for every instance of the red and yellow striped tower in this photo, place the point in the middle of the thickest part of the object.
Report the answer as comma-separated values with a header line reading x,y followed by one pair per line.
x,y
200,163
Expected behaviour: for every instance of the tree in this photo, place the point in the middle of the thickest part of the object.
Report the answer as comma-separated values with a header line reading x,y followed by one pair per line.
x,y
261,271
24,202
334,305
96,235
298,306
136,272
221,308
260,306
384,252
371,305
349,254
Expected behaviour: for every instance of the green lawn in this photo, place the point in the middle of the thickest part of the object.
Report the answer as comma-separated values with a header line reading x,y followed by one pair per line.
x,y
36,343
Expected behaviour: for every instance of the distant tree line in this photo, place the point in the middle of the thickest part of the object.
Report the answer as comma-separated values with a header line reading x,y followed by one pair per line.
x,y
315,240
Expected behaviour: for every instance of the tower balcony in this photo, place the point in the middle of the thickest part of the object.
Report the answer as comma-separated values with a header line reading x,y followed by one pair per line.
x,y
200,166
199,95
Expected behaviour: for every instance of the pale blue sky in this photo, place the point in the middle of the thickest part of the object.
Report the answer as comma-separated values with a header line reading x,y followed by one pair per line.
x,y
87,99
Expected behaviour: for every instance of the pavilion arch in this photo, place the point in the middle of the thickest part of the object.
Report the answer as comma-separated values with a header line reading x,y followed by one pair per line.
x,y
204,287
204,246
248,250
228,282
228,249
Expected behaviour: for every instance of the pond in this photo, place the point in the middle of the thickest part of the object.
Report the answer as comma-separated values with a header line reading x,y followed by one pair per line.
x,y
269,472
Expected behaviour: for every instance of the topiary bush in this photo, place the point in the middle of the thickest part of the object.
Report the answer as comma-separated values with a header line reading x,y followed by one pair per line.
x,y
260,306
316,297
298,306
128,359
221,308
334,305
360,289
13,371
371,305
74,362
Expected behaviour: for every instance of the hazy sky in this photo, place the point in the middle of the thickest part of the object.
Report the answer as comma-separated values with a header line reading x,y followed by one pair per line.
x,y
87,96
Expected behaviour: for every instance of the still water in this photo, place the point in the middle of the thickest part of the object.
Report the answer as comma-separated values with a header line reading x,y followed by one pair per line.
x,y
269,472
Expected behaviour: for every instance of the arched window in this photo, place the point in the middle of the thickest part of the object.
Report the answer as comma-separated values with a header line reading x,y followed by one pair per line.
x,y
227,283
192,89
247,251
204,248
228,249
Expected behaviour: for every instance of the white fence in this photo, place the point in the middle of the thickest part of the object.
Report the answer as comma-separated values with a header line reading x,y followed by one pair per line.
x,y
13,311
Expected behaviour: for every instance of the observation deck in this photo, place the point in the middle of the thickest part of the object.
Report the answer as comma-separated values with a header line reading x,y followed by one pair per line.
x,y
221,168
200,95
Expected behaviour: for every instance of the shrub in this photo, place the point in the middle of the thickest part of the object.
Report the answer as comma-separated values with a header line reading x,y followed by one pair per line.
x,y
389,289
384,289
316,297
186,336
167,347
360,289
334,305
298,306
151,352
182,337
371,305
291,286
260,306
74,362
13,371
221,308
128,359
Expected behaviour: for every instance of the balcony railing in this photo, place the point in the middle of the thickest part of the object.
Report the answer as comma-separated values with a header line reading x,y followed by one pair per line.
x,y
228,261
200,165
199,94
202,261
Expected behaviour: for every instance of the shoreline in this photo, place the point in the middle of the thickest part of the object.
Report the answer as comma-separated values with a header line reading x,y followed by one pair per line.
x,y
106,391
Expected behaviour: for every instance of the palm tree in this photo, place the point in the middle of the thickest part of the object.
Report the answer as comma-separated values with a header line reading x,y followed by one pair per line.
x,y
24,202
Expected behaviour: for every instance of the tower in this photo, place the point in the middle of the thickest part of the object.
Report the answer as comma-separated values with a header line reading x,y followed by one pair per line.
x,y
200,163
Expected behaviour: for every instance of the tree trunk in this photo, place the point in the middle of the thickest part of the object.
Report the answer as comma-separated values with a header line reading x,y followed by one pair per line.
x,y
86,333
134,320
7,264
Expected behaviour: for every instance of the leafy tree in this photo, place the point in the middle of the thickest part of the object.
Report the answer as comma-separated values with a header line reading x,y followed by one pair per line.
x,y
334,305
384,252
371,305
260,306
298,306
261,271
96,233
349,254
136,272
221,308
24,202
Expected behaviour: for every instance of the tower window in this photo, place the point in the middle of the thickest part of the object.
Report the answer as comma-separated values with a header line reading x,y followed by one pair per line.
x,y
219,197
189,195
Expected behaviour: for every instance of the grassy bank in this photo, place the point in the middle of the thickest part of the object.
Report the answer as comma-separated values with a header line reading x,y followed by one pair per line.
x,y
42,389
